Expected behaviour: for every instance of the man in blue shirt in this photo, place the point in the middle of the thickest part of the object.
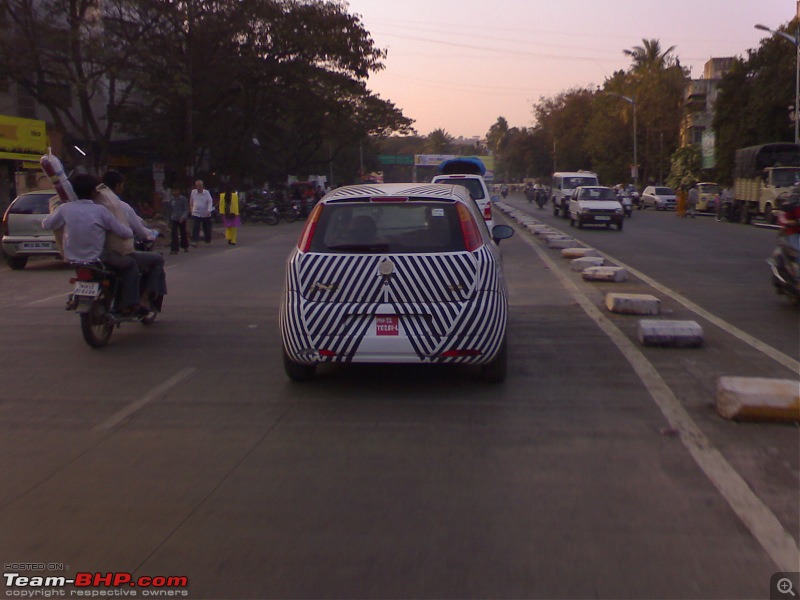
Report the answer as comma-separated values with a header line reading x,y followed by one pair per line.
x,y
85,226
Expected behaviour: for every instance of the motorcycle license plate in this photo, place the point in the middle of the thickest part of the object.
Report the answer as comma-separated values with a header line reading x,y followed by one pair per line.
x,y
87,288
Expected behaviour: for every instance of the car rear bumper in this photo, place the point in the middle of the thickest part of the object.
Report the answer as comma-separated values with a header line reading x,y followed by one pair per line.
x,y
470,332
14,246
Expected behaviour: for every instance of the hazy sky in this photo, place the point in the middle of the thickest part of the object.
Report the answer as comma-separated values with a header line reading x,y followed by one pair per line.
x,y
460,64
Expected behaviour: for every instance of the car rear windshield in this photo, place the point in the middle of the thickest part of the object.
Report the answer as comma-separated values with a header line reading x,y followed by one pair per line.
x,y
31,204
473,186
664,192
598,194
395,227
570,183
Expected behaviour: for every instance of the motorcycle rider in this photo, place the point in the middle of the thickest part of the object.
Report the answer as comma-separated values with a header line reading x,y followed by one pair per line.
x,y
150,264
789,220
86,226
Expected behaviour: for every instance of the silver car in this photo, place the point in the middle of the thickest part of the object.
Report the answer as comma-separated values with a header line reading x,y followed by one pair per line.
x,y
23,235
660,198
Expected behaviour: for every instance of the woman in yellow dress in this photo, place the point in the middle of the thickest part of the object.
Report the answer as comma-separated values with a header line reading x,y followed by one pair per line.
x,y
229,209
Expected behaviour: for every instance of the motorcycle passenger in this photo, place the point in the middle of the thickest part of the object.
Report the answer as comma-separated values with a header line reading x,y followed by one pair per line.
x,y
150,264
86,226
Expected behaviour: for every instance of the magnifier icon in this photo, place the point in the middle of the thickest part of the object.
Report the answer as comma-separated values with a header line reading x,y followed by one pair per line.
x,y
785,587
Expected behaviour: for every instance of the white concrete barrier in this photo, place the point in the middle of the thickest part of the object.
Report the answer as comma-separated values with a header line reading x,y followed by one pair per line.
x,y
615,274
633,304
586,262
758,399
561,243
573,253
670,334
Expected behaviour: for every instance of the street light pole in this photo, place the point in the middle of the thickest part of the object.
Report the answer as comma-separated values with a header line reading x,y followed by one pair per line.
x,y
796,41
632,102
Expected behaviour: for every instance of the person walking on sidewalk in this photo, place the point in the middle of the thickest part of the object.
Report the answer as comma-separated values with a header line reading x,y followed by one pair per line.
x,y
692,200
178,215
229,209
200,205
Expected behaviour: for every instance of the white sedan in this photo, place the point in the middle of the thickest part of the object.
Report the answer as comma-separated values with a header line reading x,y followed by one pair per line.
x,y
660,198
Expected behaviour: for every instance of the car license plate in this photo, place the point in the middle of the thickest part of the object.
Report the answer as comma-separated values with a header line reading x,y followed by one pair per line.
x,y
86,288
37,245
387,326
602,218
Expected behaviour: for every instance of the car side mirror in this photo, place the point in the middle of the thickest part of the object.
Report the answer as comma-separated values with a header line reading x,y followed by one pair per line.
x,y
501,232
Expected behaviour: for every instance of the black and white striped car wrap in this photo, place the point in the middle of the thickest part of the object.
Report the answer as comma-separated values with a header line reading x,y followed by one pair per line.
x,y
443,301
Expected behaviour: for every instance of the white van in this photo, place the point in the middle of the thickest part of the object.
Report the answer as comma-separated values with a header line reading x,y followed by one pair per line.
x,y
564,183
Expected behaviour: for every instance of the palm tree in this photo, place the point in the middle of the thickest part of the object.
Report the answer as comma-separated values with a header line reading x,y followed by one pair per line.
x,y
648,58
439,142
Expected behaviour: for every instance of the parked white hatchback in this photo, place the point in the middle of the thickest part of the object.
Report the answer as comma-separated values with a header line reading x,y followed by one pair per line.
x,y
395,273
660,198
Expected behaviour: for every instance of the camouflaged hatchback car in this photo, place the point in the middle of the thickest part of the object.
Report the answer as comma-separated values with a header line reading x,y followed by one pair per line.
x,y
395,273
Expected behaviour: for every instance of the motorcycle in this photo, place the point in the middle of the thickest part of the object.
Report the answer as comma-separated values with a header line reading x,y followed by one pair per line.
x,y
627,204
784,263
96,299
541,198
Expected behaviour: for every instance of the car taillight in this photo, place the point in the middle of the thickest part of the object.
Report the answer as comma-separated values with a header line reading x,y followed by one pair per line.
x,y
310,227
487,212
469,229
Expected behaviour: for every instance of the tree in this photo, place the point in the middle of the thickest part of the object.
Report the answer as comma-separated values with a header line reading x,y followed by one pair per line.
x,y
657,81
439,142
755,101
68,67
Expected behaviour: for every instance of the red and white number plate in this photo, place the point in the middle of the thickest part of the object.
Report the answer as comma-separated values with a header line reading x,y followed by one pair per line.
x,y
387,326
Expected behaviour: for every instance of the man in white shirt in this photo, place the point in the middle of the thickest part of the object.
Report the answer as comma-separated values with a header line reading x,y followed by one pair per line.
x,y
85,227
200,205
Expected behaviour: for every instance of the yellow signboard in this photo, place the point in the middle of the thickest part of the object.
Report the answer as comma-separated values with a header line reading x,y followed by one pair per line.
x,y
22,139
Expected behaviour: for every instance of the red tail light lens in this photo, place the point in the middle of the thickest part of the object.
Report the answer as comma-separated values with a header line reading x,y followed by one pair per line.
x,y
308,231
487,212
456,353
83,274
469,228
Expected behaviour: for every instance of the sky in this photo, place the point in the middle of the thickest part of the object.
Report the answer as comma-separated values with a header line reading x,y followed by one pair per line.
x,y
458,65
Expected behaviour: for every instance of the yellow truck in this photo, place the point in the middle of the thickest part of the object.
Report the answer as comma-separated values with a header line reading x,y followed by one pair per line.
x,y
761,174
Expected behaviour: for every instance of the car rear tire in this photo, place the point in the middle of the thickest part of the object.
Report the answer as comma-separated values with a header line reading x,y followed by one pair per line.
x,y
297,372
17,262
496,371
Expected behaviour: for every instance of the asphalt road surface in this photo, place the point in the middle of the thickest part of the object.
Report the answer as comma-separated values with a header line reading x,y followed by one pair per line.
x,y
598,469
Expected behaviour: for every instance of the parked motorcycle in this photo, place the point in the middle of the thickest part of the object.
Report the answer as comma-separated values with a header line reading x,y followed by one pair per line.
x,y
96,299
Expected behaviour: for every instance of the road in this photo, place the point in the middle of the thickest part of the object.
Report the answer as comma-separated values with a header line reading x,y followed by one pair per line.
x,y
182,449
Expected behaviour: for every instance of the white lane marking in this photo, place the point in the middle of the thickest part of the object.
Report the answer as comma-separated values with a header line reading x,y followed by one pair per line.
x,y
759,519
773,353
154,394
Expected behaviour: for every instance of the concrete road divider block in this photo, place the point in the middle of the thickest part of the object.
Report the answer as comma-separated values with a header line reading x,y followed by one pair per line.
x,y
633,304
573,253
581,264
670,334
561,243
615,274
758,399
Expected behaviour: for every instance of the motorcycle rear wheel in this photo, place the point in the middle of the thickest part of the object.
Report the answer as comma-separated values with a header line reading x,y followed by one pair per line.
x,y
272,217
95,327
